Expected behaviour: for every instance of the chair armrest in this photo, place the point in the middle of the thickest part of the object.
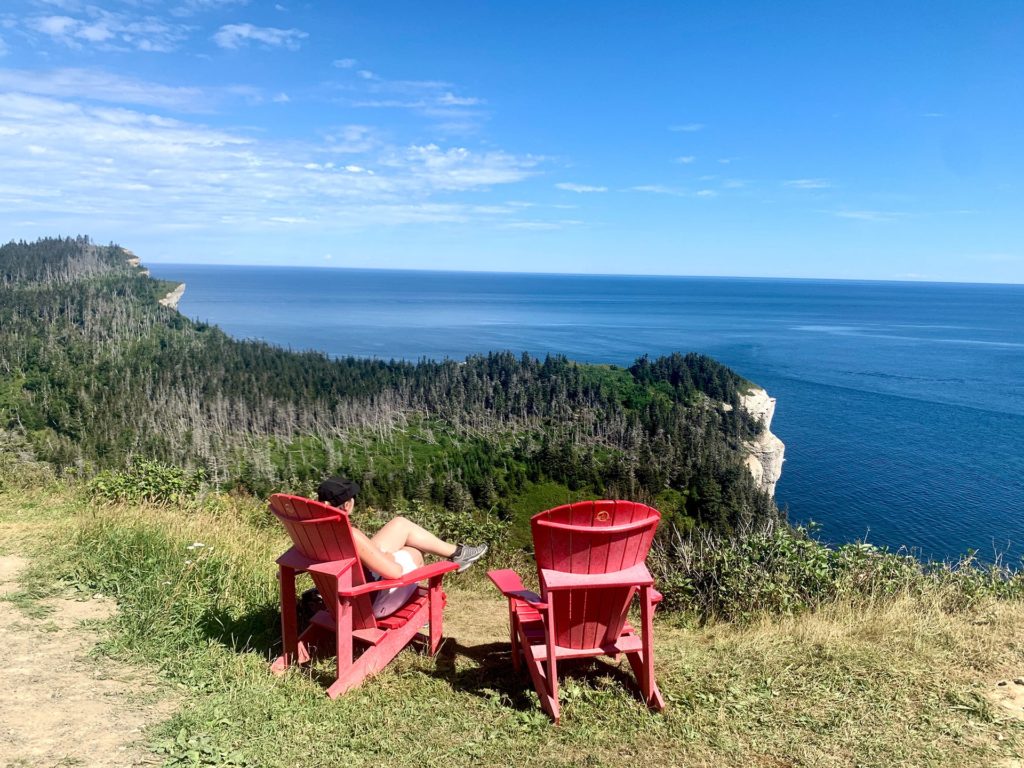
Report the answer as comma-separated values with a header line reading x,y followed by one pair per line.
x,y
511,586
656,596
333,568
637,576
295,560
412,577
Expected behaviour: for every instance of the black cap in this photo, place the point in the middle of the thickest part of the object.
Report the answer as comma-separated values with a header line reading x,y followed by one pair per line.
x,y
337,490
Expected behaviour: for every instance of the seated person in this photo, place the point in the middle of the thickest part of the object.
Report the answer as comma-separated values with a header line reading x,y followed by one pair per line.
x,y
396,549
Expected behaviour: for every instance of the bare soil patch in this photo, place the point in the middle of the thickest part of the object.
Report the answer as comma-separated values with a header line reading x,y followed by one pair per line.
x,y
59,707
1008,696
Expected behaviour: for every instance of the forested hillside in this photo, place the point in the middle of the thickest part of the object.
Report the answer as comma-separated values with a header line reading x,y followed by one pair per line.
x,y
94,374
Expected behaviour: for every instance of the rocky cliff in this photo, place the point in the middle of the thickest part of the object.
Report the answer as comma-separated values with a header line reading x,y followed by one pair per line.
x,y
766,451
171,299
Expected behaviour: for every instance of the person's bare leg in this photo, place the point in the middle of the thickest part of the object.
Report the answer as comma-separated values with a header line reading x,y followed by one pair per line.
x,y
401,532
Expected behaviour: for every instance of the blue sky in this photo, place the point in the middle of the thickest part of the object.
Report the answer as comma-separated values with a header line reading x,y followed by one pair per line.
x,y
797,139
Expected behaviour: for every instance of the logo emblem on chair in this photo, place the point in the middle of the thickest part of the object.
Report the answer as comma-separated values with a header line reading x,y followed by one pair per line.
x,y
602,516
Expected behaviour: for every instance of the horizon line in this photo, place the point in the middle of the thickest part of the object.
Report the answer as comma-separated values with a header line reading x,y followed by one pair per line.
x,y
910,281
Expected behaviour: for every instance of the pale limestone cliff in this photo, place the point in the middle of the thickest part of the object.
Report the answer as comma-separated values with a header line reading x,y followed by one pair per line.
x,y
767,452
171,299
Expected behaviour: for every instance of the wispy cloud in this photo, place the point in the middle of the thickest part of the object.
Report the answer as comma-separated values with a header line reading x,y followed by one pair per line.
x,y
865,215
344,63
808,183
658,189
109,31
685,159
3,47
541,226
569,186
233,36
687,128
160,174
436,99
97,85
451,100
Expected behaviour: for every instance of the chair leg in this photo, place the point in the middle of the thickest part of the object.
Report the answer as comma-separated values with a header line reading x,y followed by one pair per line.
x,y
643,662
552,708
513,631
342,643
289,622
436,600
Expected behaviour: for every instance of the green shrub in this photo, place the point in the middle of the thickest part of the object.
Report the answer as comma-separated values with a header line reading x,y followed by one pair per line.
x,y
784,570
149,481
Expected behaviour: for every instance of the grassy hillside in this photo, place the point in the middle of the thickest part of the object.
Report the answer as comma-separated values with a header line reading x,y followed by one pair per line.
x,y
880,678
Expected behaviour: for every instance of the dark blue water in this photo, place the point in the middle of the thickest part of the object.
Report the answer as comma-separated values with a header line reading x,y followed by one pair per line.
x,y
901,404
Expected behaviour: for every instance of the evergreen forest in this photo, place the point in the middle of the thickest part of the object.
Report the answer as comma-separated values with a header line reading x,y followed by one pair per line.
x,y
95,375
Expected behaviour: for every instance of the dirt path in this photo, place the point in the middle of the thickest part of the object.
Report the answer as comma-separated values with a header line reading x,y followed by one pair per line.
x,y
58,707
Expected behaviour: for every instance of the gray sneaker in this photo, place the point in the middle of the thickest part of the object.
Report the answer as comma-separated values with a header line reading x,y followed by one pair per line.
x,y
466,555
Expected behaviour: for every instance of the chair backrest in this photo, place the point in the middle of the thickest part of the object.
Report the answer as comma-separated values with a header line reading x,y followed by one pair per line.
x,y
592,537
323,533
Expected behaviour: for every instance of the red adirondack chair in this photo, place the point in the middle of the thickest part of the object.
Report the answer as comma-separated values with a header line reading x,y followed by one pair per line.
x,y
323,548
590,559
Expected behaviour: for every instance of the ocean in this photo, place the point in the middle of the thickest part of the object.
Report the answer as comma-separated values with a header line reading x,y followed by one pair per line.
x,y
901,404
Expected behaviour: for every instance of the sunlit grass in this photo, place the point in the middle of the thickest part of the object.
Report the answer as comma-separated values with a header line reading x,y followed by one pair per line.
x,y
895,681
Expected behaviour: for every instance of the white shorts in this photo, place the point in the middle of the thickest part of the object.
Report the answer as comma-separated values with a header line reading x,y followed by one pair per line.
x,y
388,601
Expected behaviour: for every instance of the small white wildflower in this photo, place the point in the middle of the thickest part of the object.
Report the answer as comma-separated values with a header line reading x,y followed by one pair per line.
x,y
195,545
188,562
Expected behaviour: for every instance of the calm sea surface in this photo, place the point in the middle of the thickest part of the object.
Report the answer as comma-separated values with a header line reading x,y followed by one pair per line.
x,y
901,404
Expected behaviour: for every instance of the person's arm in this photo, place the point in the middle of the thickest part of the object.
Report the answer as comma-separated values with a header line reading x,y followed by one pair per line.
x,y
370,555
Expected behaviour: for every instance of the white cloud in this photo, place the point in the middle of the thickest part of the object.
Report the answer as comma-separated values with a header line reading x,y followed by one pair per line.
x,y
109,31
3,47
687,127
451,100
233,36
706,193
97,85
160,174
352,139
568,186
55,26
344,63
366,74
863,215
281,98
808,183
657,189
685,159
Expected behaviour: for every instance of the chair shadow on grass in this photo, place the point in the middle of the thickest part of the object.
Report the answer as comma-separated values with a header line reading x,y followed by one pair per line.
x,y
490,676
494,676
257,631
